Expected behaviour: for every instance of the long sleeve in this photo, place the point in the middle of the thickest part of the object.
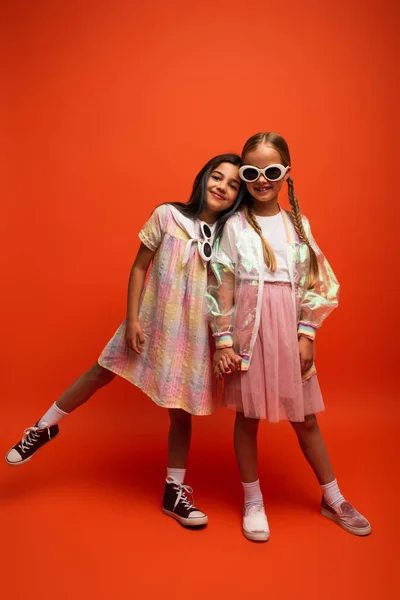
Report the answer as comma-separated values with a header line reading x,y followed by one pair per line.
x,y
322,298
221,289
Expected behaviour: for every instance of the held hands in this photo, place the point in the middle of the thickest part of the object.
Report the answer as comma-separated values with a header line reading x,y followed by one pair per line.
x,y
134,336
306,353
225,361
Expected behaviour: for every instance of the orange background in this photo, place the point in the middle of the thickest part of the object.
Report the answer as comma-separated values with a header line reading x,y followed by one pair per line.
x,y
110,109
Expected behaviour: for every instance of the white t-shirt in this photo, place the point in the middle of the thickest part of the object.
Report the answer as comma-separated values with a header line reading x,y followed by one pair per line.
x,y
274,232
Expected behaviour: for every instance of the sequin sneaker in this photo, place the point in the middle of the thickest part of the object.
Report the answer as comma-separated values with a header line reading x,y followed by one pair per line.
x,y
176,504
347,517
33,439
255,523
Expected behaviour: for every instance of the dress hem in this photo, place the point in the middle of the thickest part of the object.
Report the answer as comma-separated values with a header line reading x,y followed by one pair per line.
x,y
315,412
156,400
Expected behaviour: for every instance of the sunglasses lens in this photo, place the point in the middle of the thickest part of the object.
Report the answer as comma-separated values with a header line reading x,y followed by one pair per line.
x,y
273,173
207,250
250,174
206,231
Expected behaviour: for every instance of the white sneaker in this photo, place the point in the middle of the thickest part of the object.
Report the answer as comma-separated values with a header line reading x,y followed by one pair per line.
x,y
255,523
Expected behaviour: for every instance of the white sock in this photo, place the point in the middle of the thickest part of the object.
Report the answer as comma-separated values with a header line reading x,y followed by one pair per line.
x,y
177,474
332,493
53,416
252,493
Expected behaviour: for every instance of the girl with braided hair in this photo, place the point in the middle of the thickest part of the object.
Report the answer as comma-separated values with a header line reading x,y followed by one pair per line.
x,y
269,291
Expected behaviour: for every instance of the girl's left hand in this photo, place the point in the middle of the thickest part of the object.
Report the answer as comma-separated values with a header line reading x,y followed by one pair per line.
x,y
306,352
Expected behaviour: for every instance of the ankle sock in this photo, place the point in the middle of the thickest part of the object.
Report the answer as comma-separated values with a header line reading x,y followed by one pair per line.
x,y
53,416
177,474
252,493
332,493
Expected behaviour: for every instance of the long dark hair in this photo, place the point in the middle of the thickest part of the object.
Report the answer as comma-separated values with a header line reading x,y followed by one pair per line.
x,y
197,201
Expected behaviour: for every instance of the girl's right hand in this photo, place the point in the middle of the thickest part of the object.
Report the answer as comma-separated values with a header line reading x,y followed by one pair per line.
x,y
134,336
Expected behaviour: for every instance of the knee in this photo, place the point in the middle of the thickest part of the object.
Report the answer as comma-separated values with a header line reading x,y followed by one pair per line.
x,y
179,417
100,375
310,424
246,424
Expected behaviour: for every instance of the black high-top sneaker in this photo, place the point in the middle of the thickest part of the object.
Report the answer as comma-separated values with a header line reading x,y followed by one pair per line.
x,y
33,439
176,504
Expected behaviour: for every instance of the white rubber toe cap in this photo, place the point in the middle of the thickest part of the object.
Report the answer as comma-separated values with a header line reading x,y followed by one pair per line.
x,y
196,514
13,457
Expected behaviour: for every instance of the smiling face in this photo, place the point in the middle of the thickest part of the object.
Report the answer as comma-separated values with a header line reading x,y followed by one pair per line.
x,y
222,187
264,190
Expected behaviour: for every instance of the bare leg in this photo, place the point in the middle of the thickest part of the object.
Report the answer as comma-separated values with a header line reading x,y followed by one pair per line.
x,y
43,432
314,449
84,387
255,524
180,435
178,499
245,441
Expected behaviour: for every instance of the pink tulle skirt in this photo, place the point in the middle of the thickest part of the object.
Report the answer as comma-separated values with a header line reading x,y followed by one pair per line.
x,y
272,388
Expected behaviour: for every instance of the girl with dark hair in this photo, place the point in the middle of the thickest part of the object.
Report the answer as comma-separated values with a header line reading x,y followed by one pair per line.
x,y
163,345
272,290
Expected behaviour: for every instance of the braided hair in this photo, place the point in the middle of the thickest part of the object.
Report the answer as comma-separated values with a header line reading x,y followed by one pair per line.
x,y
269,256
280,145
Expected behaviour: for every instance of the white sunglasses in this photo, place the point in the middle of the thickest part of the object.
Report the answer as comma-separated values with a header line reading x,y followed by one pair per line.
x,y
205,248
272,172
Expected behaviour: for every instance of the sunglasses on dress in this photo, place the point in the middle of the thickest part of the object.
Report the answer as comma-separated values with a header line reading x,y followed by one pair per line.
x,y
205,248
272,173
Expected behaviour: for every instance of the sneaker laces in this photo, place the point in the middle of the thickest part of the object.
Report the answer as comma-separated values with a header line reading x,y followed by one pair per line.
x,y
182,491
30,437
